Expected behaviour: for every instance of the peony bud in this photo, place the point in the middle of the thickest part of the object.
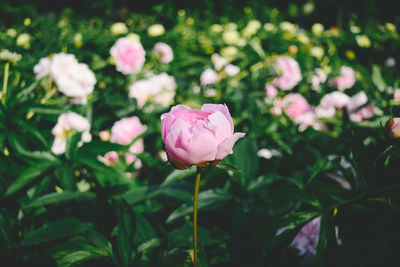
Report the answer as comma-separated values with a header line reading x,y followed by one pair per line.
x,y
198,137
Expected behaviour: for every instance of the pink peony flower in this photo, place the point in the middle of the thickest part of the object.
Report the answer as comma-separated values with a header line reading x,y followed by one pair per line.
x,y
125,130
290,74
166,55
73,79
198,137
68,124
396,95
160,89
270,90
357,109
295,105
129,55
335,99
208,76
346,79
111,157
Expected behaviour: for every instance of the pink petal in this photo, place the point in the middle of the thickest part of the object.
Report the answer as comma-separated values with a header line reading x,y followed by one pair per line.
x,y
225,147
222,129
221,108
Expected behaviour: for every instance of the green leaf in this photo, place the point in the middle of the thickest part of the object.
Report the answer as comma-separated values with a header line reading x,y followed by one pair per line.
x,y
77,257
24,92
144,230
97,62
29,175
291,221
18,145
377,78
32,130
207,199
59,198
72,145
66,177
148,245
62,228
246,160
126,229
177,175
255,43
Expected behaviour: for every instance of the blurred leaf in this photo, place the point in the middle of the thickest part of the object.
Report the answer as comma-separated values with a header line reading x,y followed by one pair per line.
x,y
66,177
207,199
77,257
177,175
58,198
150,244
32,130
72,145
255,43
126,229
377,78
144,231
21,96
29,174
246,159
97,62
62,228
16,143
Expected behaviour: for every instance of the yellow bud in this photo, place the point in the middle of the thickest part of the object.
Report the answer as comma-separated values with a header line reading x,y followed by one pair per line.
x,y
27,21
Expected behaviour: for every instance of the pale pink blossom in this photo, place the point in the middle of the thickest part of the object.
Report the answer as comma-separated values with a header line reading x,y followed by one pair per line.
x,y
218,61
295,105
197,137
164,51
42,69
346,79
335,99
129,55
159,89
357,109
73,79
68,124
270,90
396,95
126,130
232,70
290,73
208,76
104,135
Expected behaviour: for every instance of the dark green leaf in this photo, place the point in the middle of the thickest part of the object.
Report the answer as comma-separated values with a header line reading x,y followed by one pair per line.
x,y
29,174
62,228
58,198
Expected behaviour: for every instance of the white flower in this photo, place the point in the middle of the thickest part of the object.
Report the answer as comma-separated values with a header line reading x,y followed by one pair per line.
x,y
67,125
363,41
218,61
119,28
231,36
317,52
73,79
156,30
42,68
232,70
317,28
23,40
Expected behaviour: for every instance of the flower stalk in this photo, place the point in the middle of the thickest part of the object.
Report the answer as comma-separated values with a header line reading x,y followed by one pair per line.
x,y
5,82
196,196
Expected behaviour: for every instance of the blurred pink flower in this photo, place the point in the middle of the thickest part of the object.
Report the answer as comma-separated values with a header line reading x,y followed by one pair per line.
x,y
125,130
232,70
198,137
166,55
307,239
396,95
129,55
290,73
270,90
357,109
160,89
295,105
346,79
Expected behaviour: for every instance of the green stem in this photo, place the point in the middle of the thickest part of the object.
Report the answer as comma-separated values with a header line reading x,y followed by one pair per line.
x,y
196,196
5,82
